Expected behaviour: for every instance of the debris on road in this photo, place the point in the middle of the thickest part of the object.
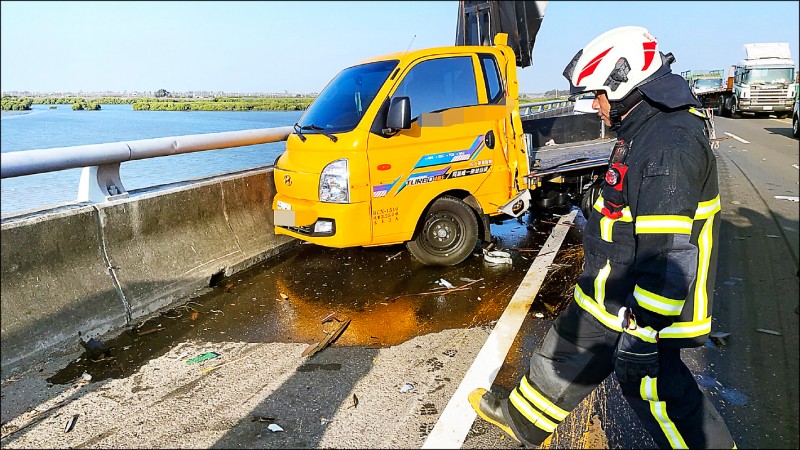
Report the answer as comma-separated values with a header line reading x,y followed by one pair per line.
x,y
274,427
146,332
204,357
209,369
496,257
256,418
766,331
718,338
330,317
71,423
406,388
353,402
96,349
539,315
284,296
313,349
787,197
394,256
445,283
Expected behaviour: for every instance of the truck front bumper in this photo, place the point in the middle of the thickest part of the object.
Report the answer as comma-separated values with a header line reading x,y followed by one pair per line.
x,y
760,108
326,224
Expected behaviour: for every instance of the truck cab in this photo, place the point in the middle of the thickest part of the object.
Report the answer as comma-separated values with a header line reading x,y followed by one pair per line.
x,y
420,147
763,81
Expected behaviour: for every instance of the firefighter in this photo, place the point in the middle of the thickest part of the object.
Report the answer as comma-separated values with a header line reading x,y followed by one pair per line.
x,y
650,247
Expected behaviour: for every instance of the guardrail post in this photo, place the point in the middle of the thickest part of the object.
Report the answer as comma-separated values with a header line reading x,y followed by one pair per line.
x,y
101,183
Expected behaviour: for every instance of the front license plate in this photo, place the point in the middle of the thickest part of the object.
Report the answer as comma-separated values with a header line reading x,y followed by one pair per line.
x,y
768,108
284,218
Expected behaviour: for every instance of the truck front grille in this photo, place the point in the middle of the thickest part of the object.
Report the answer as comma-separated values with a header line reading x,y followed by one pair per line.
x,y
759,97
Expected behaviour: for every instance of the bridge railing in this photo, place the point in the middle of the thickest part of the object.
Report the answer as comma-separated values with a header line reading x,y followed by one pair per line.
x,y
549,108
100,179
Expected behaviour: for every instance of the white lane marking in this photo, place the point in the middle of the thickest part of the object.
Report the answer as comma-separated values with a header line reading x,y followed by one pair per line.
x,y
736,137
781,120
456,420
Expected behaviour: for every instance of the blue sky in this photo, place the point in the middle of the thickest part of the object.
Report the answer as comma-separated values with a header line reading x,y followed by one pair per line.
x,y
299,46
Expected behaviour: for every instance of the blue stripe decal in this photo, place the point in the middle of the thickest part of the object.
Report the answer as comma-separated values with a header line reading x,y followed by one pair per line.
x,y
451,157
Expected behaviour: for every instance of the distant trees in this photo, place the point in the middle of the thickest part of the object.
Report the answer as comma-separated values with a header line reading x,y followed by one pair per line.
x,y
223,104
162,93
71,100
85,105
13,103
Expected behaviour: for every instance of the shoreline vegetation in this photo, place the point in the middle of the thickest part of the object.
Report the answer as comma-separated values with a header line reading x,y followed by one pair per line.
x,y
165,102
14,103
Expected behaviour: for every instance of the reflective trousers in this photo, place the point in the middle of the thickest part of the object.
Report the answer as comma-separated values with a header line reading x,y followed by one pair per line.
x,y
576,356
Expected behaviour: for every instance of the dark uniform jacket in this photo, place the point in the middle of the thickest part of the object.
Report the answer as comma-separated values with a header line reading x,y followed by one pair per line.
x,y
650,242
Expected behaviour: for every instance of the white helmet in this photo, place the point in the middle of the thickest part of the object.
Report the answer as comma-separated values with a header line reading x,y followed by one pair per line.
x,y
617,62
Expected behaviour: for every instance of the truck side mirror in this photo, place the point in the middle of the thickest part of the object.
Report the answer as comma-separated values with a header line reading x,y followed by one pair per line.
x,y
399,116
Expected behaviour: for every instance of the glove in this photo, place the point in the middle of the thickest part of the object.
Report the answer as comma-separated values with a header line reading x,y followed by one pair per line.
x,y
635,358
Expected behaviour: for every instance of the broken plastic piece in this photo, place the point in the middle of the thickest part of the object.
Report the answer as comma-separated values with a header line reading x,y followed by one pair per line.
x,y
70,423
496,257
204,357
445,283
274,427
406,388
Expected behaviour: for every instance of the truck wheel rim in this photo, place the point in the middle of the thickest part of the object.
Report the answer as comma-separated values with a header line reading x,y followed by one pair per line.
x,y
443,232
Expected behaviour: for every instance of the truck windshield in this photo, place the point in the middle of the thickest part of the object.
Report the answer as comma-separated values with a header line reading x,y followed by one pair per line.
x,y
340,106
708,83
769,75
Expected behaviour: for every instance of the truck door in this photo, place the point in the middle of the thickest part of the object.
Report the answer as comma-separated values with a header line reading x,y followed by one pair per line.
x,y
444,149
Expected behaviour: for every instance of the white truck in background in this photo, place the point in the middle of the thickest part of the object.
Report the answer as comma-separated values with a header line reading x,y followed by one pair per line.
x,y
761,84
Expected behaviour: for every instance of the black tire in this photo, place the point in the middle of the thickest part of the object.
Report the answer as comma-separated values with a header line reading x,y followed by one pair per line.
x,y
735,113
448,235
721,107
795,126
590,196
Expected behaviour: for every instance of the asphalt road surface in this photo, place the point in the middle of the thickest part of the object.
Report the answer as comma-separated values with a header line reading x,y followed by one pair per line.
x,y
386,380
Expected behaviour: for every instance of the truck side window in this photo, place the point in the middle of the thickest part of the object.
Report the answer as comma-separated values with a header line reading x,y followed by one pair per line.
x,y
491,73
439,84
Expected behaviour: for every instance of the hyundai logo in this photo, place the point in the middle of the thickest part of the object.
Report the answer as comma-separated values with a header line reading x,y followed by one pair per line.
x,y
287,180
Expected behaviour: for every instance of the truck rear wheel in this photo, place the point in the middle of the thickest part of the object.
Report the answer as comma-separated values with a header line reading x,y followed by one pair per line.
x,y
448,235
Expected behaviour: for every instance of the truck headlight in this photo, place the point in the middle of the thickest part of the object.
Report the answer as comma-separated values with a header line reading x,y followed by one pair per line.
x,y
334,183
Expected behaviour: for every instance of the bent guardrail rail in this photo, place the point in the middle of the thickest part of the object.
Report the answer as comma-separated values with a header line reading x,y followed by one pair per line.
x,y
100,179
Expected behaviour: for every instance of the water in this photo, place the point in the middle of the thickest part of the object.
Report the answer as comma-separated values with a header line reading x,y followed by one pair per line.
x,y
63,127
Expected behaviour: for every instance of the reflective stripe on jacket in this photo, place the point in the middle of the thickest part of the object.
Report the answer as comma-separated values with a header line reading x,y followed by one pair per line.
x,y
657,254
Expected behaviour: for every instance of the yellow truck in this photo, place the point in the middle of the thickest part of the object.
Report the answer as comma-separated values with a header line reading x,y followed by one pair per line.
x,y
423,147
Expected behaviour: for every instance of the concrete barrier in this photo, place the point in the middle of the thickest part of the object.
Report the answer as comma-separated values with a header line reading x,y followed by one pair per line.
x,y
93,269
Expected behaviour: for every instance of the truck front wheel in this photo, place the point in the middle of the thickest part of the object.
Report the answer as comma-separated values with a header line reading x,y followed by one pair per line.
x,y
735,113
448,235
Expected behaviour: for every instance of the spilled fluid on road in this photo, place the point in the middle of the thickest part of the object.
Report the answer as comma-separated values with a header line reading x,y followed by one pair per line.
x,y
388,296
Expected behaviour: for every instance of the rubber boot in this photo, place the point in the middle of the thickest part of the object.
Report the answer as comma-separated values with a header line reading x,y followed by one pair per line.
x,y
488,407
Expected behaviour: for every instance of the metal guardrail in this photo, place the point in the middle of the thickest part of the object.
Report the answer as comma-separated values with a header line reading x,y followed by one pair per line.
x,y
100,180
548,108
